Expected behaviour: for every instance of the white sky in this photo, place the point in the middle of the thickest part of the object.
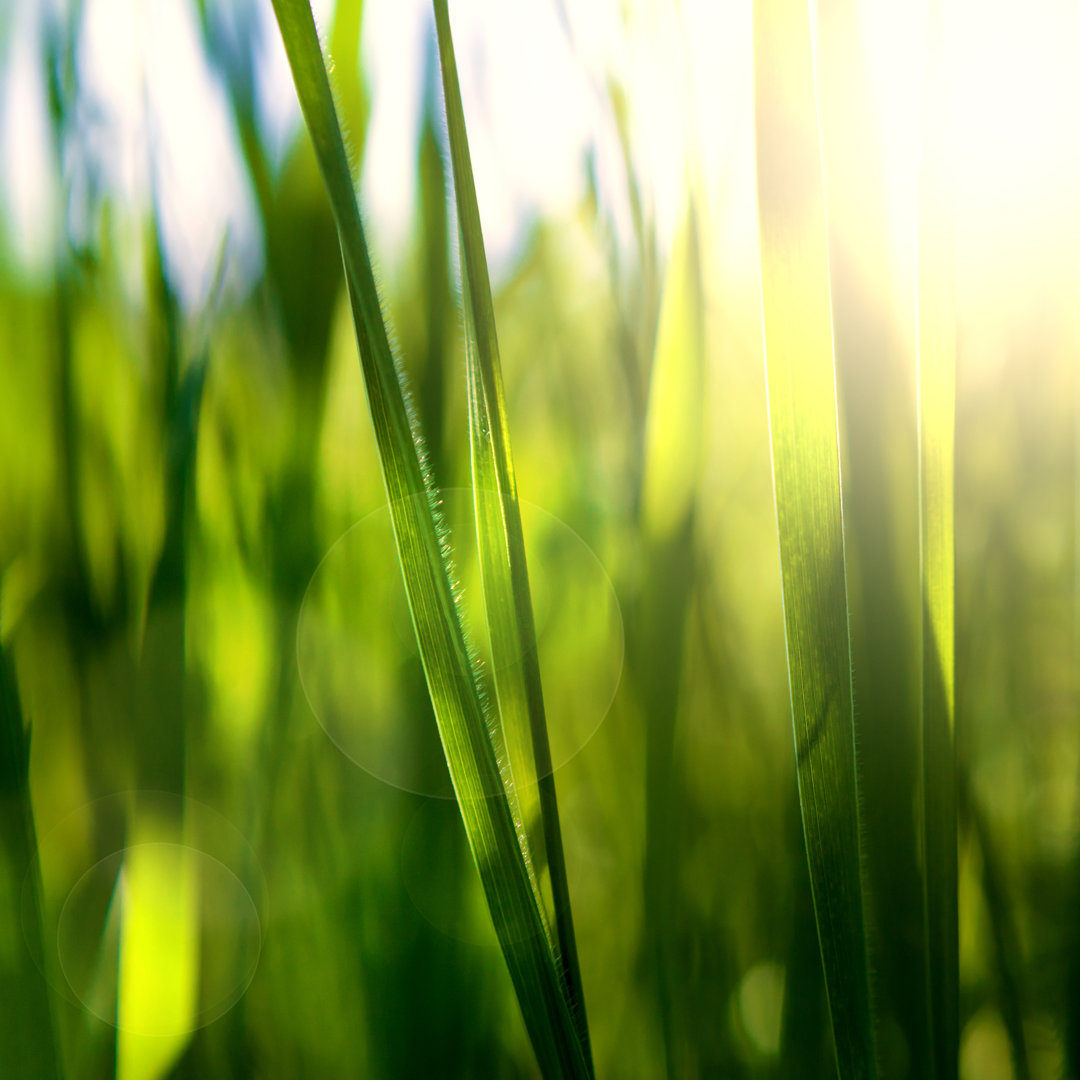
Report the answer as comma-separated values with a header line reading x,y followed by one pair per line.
x,y
533,101
24,141
534,105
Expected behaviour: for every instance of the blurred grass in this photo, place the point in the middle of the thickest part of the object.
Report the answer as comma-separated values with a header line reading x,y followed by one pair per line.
x,y
171,475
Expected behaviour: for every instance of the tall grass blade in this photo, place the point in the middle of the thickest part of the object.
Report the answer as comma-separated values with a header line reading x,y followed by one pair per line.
x,y
879,464
462,714
501,545
806,476
936,357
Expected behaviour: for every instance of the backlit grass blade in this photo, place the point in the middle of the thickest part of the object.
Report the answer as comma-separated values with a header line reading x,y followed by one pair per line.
x,y
936,352
462,714
501,544
806,476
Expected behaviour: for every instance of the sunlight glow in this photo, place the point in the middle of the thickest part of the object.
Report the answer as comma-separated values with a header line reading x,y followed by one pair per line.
x,y
1016,167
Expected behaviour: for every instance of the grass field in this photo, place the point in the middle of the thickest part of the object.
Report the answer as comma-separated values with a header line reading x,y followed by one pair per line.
x,y
551,551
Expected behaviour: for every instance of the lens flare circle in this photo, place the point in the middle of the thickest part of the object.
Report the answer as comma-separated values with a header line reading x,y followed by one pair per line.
x,y
358,660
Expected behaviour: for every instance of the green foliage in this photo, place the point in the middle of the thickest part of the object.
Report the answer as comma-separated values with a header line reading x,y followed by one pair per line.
x,y
237,691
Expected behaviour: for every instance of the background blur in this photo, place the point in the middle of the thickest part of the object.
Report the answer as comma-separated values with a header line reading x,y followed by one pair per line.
x,y
245,862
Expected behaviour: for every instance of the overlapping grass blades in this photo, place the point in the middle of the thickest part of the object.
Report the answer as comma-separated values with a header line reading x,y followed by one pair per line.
x,y
468,733
936,351
806,476
501,544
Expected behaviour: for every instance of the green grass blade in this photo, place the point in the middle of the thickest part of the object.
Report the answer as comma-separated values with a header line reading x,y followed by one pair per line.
x,y
501,545
460,710
806,475
936,358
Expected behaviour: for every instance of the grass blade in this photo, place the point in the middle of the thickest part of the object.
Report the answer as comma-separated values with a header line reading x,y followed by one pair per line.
x,y
879,463
806,476
936,360
463,716
501,545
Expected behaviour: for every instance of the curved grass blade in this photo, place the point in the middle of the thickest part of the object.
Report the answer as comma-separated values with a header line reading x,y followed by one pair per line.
x,y
462,714
936,363
501,545
806,477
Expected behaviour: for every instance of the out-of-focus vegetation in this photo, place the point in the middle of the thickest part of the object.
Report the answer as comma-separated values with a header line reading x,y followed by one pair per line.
x,y
227,842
